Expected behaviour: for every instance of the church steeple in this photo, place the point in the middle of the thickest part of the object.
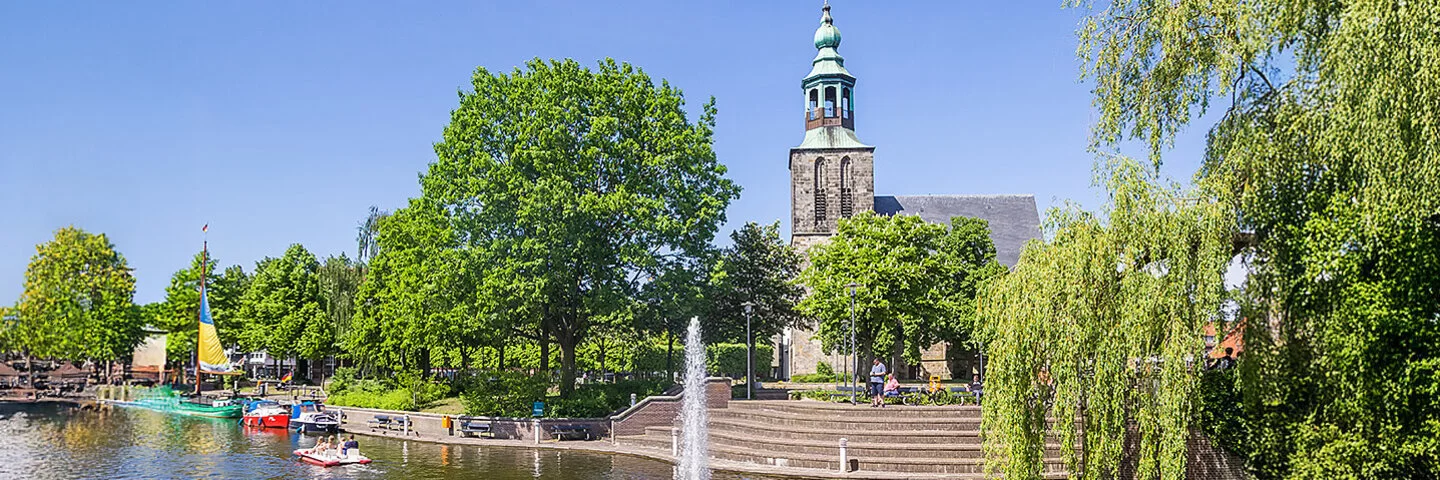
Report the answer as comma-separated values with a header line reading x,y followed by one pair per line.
x,y
829,88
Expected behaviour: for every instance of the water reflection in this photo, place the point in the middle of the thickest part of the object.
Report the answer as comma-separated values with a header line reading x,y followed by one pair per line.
x,y
52,442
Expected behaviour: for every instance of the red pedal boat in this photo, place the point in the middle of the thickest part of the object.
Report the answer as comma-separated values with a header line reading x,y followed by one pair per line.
x,y
267,414
331,457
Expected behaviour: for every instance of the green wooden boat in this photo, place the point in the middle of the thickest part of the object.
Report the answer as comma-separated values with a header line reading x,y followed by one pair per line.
x,y
204,407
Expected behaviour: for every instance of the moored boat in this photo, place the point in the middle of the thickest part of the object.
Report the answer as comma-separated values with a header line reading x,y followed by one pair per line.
x,y
266,414
311,417
209,407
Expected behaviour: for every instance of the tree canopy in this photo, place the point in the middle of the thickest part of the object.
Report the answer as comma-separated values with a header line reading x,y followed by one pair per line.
x,y
758,268
1103,324
581,180
282,308
1329,150
77,300
918,282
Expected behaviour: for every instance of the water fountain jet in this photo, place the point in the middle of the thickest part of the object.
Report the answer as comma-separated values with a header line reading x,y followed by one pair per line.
x,y
694,461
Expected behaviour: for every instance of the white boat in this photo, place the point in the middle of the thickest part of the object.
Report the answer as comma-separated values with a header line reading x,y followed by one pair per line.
x,y
331,457
311,417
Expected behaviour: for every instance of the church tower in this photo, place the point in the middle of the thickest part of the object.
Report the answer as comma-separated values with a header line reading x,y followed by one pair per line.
x,y
832,174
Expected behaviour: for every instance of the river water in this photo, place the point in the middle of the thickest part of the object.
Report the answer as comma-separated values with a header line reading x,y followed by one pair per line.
x,y
51,441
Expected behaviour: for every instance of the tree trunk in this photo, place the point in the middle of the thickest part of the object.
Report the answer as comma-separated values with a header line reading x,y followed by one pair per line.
x,y
425,363
544,355
501,363
602,359
567,365
670,358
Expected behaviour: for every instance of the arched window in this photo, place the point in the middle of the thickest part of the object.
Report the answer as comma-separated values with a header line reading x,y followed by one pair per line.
x,y
847,189
845,103
821,181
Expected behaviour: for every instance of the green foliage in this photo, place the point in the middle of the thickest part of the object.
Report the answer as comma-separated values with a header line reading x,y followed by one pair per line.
x,y
568,181
1330,151
603,399
919,282
282,309
1104,316
406,391
502,394
77,300
179,314
823,368
728,359
758,268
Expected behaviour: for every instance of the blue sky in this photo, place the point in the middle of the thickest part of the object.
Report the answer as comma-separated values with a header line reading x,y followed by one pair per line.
x,y
282,122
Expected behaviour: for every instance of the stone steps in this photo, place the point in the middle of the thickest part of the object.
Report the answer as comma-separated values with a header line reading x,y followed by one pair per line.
x,y
915,462
903,440
848,421
660,438
814,408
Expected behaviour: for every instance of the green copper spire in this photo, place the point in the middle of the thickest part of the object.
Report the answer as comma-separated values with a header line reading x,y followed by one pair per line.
x,y
827,40
827,35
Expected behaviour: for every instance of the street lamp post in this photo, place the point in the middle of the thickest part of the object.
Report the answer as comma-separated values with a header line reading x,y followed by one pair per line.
x,y
749,355
854,356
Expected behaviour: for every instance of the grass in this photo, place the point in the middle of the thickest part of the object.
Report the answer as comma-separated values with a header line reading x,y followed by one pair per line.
x,y
446,406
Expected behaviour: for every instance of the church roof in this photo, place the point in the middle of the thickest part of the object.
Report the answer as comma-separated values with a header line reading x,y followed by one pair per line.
x,y
1013,219
831,137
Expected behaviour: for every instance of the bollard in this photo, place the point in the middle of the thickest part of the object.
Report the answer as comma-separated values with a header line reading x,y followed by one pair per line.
x,y
536,424
844,455
632,399
407,425
675,442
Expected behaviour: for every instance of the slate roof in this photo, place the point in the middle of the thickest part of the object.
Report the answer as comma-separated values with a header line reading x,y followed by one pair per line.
x,y
1013,219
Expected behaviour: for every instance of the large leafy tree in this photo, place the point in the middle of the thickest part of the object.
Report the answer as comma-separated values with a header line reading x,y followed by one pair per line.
x,y
179,314
77,300
760,269
1102,324
581,179
283,309
409,289
918,283
339,279
1329,146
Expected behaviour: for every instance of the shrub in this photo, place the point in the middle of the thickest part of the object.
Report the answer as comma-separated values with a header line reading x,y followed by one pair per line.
x,y
728,359
822,368
373,394
501,394
343,378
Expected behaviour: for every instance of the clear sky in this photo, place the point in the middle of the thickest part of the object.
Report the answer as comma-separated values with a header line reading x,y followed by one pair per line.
x,y
282,122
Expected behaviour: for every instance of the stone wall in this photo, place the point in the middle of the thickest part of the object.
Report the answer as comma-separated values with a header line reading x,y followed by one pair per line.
x,y
430,426
802,190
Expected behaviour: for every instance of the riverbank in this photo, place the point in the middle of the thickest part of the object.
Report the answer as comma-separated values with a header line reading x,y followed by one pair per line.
x,y
427,430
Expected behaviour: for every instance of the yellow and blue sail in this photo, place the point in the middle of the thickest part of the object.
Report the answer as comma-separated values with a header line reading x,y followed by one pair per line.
x,y
212,355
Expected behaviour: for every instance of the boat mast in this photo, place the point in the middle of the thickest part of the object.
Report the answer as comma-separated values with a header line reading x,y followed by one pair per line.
x,y
204,261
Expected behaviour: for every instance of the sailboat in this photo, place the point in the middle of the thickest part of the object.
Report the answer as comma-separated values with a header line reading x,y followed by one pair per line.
x,y
209,359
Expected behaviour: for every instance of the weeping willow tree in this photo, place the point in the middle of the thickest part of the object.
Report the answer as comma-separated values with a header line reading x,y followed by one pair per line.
x,y
1102,324
1329,149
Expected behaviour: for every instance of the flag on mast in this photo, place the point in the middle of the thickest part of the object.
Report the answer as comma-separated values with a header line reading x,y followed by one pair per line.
x,y
205,228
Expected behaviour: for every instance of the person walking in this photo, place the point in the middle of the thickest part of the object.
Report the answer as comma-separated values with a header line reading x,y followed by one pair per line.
x,y
877,383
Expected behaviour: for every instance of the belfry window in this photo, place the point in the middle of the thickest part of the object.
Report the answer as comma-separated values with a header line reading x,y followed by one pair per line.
x,y
830,102
812,109
845,103
847,190
821,181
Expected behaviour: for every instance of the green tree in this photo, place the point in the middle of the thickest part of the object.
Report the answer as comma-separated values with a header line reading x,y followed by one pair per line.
x,y
1100,324
668,300
1329,149
77,300
283,310
339,279
758,268
403,301
582,180
179,314
918,283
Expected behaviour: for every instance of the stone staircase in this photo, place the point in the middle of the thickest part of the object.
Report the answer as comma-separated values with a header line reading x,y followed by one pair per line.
x,y
920,441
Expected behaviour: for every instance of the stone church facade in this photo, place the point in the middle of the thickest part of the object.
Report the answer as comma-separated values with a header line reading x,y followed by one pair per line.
x,y
832,176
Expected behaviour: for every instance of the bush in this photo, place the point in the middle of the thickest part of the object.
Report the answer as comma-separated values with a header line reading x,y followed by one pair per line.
x,y
822,368
728,359
603,399
501,394
343,378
